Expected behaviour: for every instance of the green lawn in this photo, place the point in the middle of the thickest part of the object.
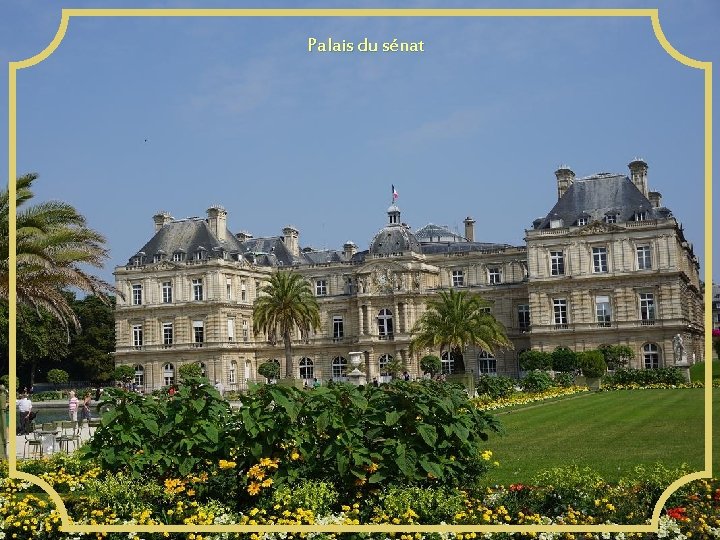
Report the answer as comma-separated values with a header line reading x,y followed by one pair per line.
x,y
697,371
610,432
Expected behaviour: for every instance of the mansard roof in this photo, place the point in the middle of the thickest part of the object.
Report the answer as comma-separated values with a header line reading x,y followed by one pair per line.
x,y
596,196
189,236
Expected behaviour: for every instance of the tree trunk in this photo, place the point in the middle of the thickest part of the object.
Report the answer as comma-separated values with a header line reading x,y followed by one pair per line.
x,y
289,371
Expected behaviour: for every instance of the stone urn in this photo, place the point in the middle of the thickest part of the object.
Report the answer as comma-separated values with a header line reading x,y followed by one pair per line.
x,y
356,376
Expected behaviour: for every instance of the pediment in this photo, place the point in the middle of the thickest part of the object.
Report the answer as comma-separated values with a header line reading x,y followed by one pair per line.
x,y
599,227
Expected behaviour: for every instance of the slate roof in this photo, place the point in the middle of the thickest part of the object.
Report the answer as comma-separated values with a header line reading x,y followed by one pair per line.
x,y
596,196
437,233
188,235
394,238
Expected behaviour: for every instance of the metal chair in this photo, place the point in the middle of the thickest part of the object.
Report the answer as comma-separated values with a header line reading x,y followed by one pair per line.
x,y
93,423
33,441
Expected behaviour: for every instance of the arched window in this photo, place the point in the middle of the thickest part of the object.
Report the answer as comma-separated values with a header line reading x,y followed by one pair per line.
x,y
232,374
307,371
448,360
168,374
385,324
140,375
651,356
487,364
383,362
339,369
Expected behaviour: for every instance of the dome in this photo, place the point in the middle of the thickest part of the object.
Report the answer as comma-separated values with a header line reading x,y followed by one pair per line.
x,y
394,240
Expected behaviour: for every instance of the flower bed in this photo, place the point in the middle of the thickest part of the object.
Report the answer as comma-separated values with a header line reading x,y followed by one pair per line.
x,y
571,496
485,403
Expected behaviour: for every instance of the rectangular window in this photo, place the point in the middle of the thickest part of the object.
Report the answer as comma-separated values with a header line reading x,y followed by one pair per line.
x,y
137,336
197,289
458,278
168,337
557,263
137,295
338,328
228,288
600,260
644,260
245,331
524,317
641,216
582,221
320,287
610,218
231,329
647,308
243,291
178,256
603,311
167,296
494,276
198,333
560,313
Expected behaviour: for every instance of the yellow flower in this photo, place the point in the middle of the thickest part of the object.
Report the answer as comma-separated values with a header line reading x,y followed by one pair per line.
x,y
372,467
253,488
227,464
267,483
295,455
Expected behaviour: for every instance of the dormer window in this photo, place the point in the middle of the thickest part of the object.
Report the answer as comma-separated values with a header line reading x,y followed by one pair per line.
x,y
640,215
610,218
200,254
556,223
582,220
178,256
138,260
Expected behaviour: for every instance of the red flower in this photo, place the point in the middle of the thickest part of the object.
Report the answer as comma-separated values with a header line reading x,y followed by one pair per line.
x,y
516,487
716,332
677,513
716,496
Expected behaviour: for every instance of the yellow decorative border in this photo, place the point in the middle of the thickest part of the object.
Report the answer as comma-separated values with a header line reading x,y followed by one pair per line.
x,y
652,14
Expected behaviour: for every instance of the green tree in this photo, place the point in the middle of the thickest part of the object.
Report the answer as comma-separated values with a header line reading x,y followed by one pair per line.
x,y
564,359
531,360
53,246
287,303
187,371
124,373
90,350
455,320
58,376
592,364
616,356
270,370
430,364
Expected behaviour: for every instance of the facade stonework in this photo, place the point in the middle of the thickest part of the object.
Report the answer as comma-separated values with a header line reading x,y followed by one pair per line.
x,y
607,265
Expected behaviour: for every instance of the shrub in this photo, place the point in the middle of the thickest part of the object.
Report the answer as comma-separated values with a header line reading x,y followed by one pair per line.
x,y
124,494
123,373
430,364
563,359
564,380
536,381
190,370
159,436
616,356
431,505
316,495
531,360
560,485
495,387
592,364
417,433
269,370
57,376
644,377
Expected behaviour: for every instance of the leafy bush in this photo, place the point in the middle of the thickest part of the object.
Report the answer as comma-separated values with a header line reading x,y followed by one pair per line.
x,y
123,494
269,370
644,377
536,381
431,505
530,360
572,483
495,387
616,356
416,433
318,496
592,364
430,364
57,376
564,380
123,373
159,436
46,396
564,359
188,371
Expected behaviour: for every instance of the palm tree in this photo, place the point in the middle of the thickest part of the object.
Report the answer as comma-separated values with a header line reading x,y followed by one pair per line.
x,y
52,243
288,303
455,320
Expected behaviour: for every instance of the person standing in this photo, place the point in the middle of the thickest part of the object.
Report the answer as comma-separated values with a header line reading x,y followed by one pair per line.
x,y
219,387
85,412
73,403
24,406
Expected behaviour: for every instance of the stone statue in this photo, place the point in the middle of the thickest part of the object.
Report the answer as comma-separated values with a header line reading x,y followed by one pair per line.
x,y
678,348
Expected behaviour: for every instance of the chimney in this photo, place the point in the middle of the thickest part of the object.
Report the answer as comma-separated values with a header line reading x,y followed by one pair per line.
x,y
217,221
349,249
638,174
290,237
161,219
565,178
469,229
243,235
655,199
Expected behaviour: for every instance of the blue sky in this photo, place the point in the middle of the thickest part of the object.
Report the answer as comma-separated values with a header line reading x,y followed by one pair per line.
x,y
130,116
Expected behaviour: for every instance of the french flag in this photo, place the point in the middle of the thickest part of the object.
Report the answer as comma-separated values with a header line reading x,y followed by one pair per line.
x,y
394,193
